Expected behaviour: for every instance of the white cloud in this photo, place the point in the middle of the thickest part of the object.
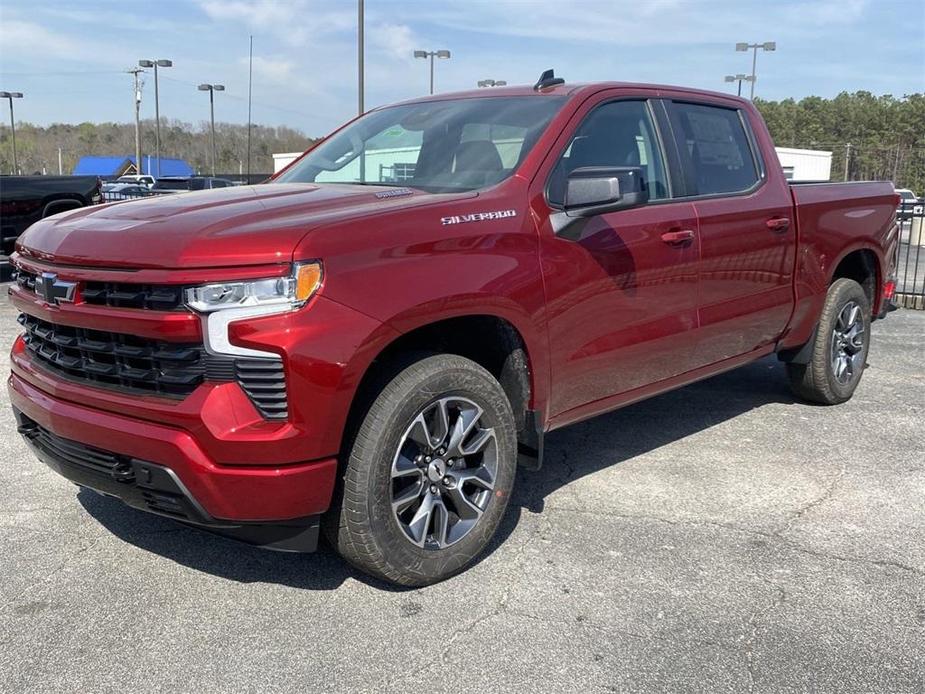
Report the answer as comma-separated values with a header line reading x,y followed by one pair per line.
x,y
395,41
27,38
655,22
293,22
272,69
305,50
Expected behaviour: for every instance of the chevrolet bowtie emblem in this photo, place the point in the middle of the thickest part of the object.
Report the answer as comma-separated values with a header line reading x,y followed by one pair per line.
x,y
53,290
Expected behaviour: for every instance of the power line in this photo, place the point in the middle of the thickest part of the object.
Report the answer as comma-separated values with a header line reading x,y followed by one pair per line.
x,y
239,97
64,72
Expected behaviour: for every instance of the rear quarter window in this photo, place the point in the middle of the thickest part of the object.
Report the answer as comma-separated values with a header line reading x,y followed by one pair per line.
x,y
716,143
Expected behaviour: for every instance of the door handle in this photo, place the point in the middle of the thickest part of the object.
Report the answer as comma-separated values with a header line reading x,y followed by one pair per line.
x,y
678,237
778,224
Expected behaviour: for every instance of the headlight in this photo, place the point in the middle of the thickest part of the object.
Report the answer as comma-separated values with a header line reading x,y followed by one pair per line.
x,y
223,303
280,293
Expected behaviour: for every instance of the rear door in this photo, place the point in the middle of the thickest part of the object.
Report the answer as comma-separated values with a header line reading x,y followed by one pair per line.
x,y
747,238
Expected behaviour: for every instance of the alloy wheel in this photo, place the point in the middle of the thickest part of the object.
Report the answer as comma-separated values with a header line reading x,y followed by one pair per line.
x,y
847,358
443,473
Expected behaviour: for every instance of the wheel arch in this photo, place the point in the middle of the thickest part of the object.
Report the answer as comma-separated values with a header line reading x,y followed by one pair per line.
x,y
861,264
495,340
64,204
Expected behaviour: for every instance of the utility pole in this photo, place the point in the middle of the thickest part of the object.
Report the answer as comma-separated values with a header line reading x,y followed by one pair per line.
x,y
60,166
137,91
847,158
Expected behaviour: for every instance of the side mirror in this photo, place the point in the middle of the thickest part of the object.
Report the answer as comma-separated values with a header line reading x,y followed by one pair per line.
x,y
594,190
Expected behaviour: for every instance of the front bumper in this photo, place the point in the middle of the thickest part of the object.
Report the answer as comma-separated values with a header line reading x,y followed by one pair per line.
x,y
163,470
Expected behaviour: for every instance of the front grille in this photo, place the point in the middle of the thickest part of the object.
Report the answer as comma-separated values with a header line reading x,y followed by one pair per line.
x,y
116,360
141,365
155,297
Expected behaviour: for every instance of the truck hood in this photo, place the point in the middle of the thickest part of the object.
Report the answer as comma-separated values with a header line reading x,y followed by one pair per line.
x,y
245,225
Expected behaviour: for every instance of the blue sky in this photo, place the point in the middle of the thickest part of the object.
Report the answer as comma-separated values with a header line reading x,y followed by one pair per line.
x,y
69,58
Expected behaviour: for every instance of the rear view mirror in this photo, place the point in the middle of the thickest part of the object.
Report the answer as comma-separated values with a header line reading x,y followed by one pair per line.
x,y
594,190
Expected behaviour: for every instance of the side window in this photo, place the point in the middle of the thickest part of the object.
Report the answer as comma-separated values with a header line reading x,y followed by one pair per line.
x,y
619,133
715,141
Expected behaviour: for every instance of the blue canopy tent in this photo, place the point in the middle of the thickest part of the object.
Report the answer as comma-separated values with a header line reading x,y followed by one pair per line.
x,y
115,166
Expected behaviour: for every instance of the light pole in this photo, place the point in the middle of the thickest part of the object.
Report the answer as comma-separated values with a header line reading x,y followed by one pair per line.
x,y
491,83
157,110
739,78
360,59
11,96
212,88
766,46
442,54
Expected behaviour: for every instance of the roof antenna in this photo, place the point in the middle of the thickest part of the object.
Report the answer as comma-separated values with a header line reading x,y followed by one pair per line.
x,y
547,79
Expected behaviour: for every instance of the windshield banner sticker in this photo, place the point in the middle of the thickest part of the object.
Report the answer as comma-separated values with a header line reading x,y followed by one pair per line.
x,y
478,217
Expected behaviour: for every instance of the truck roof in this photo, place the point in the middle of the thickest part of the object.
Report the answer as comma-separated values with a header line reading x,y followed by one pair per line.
x,y
568,89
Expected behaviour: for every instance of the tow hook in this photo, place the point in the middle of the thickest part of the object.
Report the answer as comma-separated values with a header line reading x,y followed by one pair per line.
x,y
28,430
123,472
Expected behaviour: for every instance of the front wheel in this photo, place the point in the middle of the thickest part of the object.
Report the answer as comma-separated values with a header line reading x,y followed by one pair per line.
x,y
429,473
839,349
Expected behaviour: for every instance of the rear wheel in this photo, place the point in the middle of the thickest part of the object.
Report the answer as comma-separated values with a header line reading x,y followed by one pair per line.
x,y
429,473
840,347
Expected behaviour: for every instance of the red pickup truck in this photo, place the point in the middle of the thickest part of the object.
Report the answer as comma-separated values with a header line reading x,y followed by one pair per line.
x,y
372,342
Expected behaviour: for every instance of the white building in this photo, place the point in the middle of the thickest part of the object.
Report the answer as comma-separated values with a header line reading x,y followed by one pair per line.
x,y
284,159
805,164
798,164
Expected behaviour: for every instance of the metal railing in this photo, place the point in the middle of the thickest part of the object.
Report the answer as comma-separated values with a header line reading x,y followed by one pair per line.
x,y
118,195
910,265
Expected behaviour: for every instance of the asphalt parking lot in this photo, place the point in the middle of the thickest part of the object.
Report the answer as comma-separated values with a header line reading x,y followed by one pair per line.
x,y
723,537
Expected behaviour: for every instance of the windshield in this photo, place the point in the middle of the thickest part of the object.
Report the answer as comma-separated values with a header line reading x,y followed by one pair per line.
x,y
437,146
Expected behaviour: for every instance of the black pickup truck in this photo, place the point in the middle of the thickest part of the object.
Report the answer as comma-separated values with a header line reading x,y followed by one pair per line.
x,y
27,199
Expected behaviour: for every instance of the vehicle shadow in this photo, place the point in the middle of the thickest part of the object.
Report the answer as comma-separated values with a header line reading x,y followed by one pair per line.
x,y
604,441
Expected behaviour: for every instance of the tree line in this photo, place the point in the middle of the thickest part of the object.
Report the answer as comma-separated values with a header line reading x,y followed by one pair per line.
x,y
870,137
37,147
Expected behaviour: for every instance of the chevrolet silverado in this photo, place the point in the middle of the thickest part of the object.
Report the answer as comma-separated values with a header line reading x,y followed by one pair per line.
x,y
370,344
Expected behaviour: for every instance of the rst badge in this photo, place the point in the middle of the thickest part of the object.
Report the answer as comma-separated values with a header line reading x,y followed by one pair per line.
x,y
53,290
478,217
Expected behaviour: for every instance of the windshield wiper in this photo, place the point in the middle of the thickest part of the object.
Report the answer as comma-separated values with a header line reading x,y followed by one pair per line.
x,y
366,183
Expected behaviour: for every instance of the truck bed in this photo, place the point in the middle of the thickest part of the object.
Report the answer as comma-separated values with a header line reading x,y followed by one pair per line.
x,y
832,220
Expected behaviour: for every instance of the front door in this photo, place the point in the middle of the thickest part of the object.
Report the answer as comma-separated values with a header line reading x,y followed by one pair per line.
x,y
621,300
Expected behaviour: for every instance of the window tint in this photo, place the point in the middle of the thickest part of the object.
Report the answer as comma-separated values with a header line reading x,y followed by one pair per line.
x,y
616,134
715,140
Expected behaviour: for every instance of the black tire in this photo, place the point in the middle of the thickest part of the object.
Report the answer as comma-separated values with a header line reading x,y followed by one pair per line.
x,y
361,524
817,380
